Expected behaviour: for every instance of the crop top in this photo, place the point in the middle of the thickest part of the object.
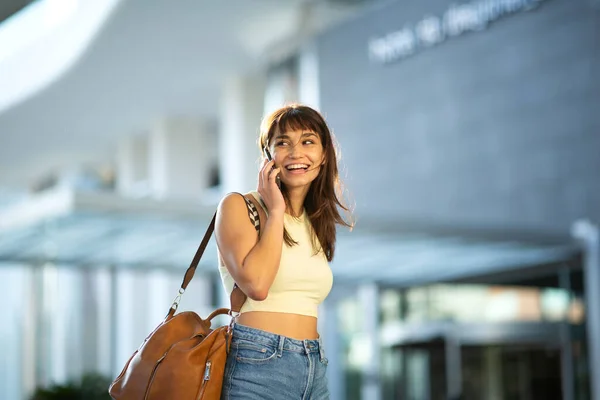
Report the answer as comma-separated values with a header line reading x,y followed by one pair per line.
x,y
304,279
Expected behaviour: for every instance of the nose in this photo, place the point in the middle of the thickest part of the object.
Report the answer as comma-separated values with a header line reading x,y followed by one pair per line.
x,y
294,152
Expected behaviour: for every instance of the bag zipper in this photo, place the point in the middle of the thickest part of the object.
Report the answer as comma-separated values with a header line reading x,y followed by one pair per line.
x,y
207,370
206,379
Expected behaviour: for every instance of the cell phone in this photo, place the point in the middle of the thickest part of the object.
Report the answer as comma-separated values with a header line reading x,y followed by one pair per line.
x,y
270,158
267,153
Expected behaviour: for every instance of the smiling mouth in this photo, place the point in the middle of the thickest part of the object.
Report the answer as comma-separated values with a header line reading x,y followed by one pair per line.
x,y
297,168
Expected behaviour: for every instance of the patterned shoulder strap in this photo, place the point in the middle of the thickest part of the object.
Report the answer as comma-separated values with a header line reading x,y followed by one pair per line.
x,y
252,214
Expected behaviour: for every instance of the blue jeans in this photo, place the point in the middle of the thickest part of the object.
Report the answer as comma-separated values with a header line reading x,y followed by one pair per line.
x,y
262,365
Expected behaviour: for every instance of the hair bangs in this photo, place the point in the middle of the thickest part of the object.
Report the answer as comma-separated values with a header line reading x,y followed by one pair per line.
x,y
295,119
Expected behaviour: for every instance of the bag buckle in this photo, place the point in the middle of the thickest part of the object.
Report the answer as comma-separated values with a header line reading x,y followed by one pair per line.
x,y
177,299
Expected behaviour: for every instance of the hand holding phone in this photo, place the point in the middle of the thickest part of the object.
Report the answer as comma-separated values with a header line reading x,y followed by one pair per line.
x,y
270,158
273,198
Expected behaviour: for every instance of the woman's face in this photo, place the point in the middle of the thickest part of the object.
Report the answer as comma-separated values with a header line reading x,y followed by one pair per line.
x,y
299,154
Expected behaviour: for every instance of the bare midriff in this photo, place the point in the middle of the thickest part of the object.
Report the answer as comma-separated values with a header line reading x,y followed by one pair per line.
x,y
294,326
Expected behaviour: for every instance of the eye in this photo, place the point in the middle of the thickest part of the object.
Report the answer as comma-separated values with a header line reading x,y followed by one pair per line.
x,y
281,143
309,141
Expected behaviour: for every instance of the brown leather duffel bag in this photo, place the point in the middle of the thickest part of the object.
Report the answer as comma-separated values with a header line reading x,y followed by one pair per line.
x,y
183,358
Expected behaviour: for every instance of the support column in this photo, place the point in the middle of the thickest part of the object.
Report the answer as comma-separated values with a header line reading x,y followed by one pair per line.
x,y
39,339
162,293
132,166
493,371
330,329
588,234
127,317
453,367
404,382
282,85
29,330
241,112
369,299
308,76
89,320
182,152
104,321
72,306
566,354
56,331
13,286
115,328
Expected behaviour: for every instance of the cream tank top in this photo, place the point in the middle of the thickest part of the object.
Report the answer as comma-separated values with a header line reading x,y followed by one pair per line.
x,y
304,279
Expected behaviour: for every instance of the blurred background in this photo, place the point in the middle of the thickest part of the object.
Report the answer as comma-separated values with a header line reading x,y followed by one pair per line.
x,y
470,141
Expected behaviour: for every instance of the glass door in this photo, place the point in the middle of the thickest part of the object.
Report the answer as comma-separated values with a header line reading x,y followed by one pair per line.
x,y
491,372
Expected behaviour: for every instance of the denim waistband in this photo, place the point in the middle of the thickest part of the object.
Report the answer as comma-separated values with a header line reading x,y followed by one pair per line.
x,y
282,343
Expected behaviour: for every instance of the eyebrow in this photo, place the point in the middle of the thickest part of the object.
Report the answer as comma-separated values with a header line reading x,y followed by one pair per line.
x,y
305,134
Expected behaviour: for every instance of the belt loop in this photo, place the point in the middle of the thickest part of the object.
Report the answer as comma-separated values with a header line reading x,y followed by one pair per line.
x,y
321,349
280,346
306,348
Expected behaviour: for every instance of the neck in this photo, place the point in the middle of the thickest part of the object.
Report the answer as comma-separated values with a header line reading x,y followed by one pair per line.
x,y
296,200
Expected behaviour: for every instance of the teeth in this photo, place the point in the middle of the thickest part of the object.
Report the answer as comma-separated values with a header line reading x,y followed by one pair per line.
x,y
296,166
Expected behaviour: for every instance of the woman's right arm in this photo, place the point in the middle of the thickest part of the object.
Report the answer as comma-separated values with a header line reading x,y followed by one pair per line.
x,y
252,264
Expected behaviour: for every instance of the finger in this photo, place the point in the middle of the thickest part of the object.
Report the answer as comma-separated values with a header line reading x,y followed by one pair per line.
x,y
267,165
273,174
268,168
263,164
260,176
263,175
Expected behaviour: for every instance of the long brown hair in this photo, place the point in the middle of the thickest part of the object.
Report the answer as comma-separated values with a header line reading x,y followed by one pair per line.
x,y
324,196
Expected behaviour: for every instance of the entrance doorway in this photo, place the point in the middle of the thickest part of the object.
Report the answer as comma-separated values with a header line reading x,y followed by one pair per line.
x,y
512,370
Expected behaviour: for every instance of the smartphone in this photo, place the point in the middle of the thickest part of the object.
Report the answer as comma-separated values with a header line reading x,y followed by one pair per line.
x,y
270,158
267,153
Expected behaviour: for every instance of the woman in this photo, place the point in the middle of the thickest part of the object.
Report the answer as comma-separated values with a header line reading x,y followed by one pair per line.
x,y
276,352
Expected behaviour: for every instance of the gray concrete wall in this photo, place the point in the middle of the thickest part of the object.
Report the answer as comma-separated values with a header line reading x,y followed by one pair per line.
x,y
497,129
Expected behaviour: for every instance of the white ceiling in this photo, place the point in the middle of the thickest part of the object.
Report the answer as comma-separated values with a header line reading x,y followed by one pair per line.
x,y
151,58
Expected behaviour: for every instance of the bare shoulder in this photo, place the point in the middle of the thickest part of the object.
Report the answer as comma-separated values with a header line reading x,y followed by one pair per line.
x,y
231,206
234,232
235,212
